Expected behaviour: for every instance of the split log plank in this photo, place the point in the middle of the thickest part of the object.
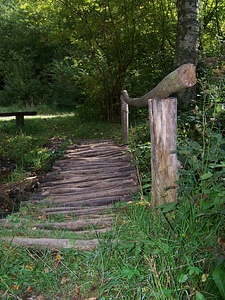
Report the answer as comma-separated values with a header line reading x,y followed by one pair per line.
x,y
100,210
86,186
98,201
47,198
82,245
51,181
79,225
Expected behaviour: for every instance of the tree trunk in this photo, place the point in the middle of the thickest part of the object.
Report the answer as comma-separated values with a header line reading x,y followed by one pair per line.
x,y
187,43
177,80
164,163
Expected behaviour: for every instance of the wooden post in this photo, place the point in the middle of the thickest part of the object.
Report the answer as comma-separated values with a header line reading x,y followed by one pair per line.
x,y
164,163
125,120
163,116
20,120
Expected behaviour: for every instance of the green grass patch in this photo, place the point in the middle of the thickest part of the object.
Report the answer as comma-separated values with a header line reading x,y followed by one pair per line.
x,y
146,256
44,139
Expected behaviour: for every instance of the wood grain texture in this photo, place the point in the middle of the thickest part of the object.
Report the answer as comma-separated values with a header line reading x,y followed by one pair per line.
x,y
81,190
164,163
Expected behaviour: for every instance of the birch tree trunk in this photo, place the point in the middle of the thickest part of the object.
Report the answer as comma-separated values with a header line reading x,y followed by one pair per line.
x,y
187,42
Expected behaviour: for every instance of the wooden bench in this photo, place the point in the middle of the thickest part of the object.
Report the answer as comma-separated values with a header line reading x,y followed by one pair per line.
x,y
19,116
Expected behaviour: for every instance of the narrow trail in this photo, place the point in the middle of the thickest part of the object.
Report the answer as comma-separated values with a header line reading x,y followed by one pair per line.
x,y
78,196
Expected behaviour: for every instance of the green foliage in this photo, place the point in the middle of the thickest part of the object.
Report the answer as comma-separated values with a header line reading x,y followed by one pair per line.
x,y
163,256
202,150
64,88
219,278
86,52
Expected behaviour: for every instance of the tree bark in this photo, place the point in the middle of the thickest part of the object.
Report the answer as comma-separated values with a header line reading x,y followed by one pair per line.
x,y
181,78
187,43
164,163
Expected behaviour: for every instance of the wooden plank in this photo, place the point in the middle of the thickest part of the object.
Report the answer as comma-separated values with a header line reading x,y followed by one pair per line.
x,y
78,225
97,201
91,170
68,179
79,211
82,245
86,186
85,223
48,198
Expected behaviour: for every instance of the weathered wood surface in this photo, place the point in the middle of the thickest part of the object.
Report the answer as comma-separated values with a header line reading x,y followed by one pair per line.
x,y
164,163
124,120
182,77
96,174
82,245
82,189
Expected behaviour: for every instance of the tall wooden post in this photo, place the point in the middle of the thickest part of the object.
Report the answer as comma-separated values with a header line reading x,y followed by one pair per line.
x,y
164,163
163,116
125,120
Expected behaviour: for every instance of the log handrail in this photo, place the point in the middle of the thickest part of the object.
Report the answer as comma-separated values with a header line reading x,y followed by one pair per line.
x,y
182,77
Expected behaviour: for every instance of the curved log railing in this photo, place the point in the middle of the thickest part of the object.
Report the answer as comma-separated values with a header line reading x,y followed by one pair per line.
x,y
182,77
163,124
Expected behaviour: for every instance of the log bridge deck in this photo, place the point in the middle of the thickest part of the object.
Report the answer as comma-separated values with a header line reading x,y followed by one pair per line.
x,y
81,191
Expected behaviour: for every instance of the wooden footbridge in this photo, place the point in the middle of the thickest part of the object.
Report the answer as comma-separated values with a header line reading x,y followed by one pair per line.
x,y
79,195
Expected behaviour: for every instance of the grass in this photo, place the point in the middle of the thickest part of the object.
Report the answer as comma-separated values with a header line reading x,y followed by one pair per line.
x,y
44,140
176,252
142,258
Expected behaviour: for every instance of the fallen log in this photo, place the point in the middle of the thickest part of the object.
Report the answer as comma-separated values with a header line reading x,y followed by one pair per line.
x,y
78,245
182,77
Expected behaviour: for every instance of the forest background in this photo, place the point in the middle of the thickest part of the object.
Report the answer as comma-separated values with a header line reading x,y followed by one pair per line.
x,y
83,53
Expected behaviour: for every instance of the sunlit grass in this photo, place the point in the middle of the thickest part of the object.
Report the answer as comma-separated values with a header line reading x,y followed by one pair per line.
x,y
44,139
141,258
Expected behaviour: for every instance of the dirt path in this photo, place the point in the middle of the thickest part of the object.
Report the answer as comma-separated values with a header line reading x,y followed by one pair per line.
x,y
78,196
